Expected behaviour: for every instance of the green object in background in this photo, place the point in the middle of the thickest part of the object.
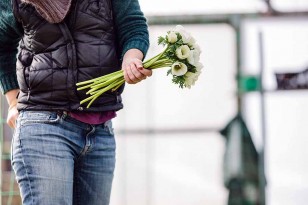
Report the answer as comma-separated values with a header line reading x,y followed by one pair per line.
x,y
248,83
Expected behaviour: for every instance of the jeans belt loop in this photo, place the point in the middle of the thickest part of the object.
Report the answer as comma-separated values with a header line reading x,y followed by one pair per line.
x,y
62,114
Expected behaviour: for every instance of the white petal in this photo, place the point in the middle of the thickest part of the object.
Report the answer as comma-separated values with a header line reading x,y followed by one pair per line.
x,y
182,52
191,59
192,41
191,78
185,35
178,69
199,66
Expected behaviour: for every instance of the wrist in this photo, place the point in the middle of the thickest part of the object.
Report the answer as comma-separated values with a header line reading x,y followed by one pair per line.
x,y
11,97
12,105
133,53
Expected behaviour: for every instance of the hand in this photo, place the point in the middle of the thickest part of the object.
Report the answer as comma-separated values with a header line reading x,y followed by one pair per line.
x,y
134,71
11,97
12,115
133,68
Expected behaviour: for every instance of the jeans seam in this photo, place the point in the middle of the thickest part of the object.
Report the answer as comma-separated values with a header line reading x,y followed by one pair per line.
x,y
23,160
27,173
76,186
86,148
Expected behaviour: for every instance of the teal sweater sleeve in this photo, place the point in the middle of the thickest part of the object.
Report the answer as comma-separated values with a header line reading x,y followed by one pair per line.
x,y
10,34
130,24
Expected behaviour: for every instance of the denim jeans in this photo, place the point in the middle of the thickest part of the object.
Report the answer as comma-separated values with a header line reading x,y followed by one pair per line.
x,y
61,161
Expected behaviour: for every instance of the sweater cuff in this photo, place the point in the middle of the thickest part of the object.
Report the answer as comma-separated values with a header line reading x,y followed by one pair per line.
x,y
8,82
139,44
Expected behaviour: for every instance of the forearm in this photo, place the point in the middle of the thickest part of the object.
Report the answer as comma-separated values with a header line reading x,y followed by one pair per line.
x,y
131,26
11,97
10,34
133,53
8,78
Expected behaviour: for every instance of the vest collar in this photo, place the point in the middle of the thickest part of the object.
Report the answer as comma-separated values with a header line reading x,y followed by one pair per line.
x,y
54,11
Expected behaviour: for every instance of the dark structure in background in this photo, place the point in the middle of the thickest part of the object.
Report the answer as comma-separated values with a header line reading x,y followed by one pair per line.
x,y
241,164
292,80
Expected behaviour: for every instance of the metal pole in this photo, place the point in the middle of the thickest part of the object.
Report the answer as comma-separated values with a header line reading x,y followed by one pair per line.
x,y
262,181
236,24
218,18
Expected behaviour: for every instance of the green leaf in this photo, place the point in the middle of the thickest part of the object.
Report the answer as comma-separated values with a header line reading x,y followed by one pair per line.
x,y
161,41
180,80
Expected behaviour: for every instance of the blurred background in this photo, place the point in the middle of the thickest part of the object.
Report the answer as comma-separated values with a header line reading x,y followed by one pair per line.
x,y
238,136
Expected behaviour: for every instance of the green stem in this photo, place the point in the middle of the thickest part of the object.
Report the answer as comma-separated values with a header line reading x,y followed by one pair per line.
x,y
165,65
118,73
148,60
84,87
121,83
161,63
98,78
94,97
109,81
147,64
99,89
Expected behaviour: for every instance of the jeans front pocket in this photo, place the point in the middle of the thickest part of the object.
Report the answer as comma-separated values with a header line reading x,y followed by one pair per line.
x,y
32,117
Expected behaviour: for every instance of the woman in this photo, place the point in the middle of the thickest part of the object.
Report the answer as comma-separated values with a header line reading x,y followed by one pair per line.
x,y
62,152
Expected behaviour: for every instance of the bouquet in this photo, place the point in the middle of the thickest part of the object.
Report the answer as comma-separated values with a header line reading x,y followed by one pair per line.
x,y
181,55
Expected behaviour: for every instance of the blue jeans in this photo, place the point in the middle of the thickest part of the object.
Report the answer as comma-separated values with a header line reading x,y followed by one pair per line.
x,y
61,161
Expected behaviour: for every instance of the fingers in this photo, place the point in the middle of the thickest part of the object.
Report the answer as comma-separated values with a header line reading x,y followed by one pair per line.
x,y
134,71
146,72
134,74
12,116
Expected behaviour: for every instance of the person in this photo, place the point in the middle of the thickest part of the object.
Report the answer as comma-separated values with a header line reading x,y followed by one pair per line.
x,y
62,152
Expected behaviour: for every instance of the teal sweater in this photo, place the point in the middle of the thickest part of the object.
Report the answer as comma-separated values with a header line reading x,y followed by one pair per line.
x,y
130,23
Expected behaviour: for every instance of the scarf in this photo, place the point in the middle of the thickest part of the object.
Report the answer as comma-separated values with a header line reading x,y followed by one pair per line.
x,y
54,11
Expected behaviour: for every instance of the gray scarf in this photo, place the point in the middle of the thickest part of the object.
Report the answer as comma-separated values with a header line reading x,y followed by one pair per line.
x,y
54,11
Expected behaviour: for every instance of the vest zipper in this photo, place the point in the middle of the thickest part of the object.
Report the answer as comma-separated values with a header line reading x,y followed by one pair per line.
x,y
71,48
73,19
28,97
27,84
75,70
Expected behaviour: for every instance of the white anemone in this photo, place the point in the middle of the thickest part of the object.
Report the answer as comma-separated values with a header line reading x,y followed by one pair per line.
x,y
192,41
190,79
199,66
178,69
193,57
197,48
182,52
185,35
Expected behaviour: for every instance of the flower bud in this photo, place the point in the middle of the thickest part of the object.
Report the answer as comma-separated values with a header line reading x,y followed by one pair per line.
x,y
172,37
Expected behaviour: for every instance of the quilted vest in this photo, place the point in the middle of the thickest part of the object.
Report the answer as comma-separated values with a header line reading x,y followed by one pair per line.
x,y
52,58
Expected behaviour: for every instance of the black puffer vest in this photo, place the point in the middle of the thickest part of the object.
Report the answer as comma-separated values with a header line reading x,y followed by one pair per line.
x,y
54,57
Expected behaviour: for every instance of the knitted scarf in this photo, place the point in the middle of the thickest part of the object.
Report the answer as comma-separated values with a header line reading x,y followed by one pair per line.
x,y
54,11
